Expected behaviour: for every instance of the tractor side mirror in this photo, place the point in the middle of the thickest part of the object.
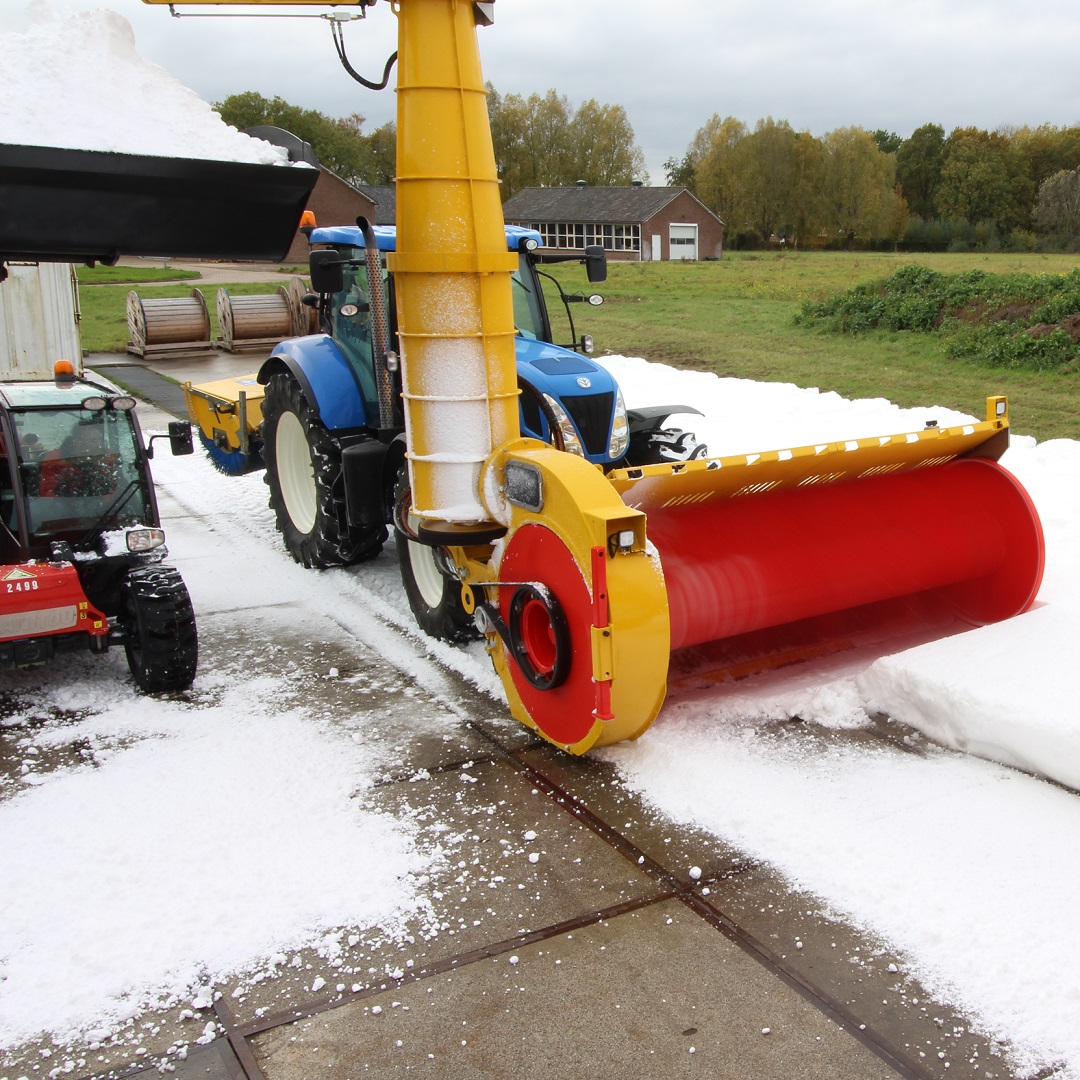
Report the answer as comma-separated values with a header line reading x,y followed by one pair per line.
x,y
596,263
180,440
325,267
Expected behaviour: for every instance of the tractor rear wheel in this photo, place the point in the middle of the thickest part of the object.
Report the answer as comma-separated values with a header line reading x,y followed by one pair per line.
x,y
162,643
434,596
303,472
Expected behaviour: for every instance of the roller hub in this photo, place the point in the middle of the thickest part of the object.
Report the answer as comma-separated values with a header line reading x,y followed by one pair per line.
x,y
549,635
539,636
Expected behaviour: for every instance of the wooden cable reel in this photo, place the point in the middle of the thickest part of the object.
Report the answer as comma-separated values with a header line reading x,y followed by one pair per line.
x,y
168,326
254,322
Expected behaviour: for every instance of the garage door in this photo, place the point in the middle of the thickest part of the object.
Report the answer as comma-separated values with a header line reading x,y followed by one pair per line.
x,y
682,241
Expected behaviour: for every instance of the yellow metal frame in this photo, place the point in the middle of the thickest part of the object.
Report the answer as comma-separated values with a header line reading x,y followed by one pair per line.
x,y
231,408
586,509
695,482
583,510
451,267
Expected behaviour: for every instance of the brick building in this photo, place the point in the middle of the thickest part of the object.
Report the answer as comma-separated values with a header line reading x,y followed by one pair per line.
x,y
632,223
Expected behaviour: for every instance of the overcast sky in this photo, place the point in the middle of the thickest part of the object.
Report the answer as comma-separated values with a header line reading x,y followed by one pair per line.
x,y
820,66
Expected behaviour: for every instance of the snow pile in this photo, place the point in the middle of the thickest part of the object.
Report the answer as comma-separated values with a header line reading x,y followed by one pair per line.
x,y
1002,691
75,80
204,842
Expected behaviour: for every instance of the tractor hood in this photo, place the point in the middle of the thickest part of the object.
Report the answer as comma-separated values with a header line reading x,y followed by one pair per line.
x,y
386,237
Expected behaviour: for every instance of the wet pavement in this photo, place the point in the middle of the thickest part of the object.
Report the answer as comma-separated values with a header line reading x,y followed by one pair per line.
x,y
573,931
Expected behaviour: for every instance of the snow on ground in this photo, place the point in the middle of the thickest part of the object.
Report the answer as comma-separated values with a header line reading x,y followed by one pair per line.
x,y
142,880
109,98
965,866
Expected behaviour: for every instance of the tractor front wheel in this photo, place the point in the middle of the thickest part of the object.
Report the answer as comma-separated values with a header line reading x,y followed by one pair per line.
x,y
161,641
303,472
434,596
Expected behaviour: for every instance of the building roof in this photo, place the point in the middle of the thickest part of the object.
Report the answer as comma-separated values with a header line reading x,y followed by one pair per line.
x,y
579,203
385,200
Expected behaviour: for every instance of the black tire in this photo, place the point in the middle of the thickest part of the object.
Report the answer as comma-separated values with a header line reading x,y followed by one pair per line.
x,y
162,644
434,597
303,472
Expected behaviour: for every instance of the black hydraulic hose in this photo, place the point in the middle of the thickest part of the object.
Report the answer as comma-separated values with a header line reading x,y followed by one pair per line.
x,y
339,45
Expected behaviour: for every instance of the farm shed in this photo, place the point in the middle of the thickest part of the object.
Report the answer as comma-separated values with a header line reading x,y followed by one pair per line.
x,y
633,223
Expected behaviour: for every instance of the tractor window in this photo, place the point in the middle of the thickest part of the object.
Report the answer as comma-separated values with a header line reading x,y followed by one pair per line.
x,y
350,312
75,465
527,311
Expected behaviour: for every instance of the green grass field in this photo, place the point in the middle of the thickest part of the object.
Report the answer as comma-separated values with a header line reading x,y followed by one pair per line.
x,y
736,317
104,308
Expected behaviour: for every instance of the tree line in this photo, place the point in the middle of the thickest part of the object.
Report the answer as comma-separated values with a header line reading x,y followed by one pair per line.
x,y
539,140
1013,188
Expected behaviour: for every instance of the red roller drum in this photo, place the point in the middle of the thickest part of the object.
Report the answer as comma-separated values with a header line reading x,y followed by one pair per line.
x,y
966,530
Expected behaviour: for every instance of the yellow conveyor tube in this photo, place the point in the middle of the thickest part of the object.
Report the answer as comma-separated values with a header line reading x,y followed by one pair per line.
x,y
452,269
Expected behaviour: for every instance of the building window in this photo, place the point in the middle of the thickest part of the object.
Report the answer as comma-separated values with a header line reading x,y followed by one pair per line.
x,y
578,237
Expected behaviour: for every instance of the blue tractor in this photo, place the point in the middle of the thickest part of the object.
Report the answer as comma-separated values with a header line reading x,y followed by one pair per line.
x,y
331,431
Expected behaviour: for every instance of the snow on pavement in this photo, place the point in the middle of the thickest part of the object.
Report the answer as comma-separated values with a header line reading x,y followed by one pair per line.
x,y
183,843
968,868
963,865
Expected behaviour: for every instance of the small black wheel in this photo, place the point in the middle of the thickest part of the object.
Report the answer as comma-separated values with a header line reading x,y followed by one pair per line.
x,y
539,637
303,472
434,596
161,641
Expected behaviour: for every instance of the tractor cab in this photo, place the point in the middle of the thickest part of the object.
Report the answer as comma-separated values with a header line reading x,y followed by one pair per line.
x,y
71,468
74,477
81,546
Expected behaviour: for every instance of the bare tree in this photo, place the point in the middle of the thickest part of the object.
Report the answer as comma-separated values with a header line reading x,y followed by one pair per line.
x,y
1057,210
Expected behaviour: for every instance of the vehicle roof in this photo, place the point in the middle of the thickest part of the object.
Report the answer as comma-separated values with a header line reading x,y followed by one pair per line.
x,y
42,394
386,236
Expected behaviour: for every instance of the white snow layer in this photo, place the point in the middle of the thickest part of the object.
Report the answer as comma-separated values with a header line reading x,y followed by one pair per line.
x,y
75,80
210,836
112,878
968,868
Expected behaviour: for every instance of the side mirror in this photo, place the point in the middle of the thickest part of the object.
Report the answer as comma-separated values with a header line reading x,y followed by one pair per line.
x,y
596,263
180,440
325,267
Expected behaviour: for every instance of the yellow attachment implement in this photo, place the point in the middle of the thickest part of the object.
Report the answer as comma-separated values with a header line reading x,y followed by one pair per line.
x,y
691,483
783,554
227,412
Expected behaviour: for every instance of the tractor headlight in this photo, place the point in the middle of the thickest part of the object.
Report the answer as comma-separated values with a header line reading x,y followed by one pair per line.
x,y
145,539
571,442
620,429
